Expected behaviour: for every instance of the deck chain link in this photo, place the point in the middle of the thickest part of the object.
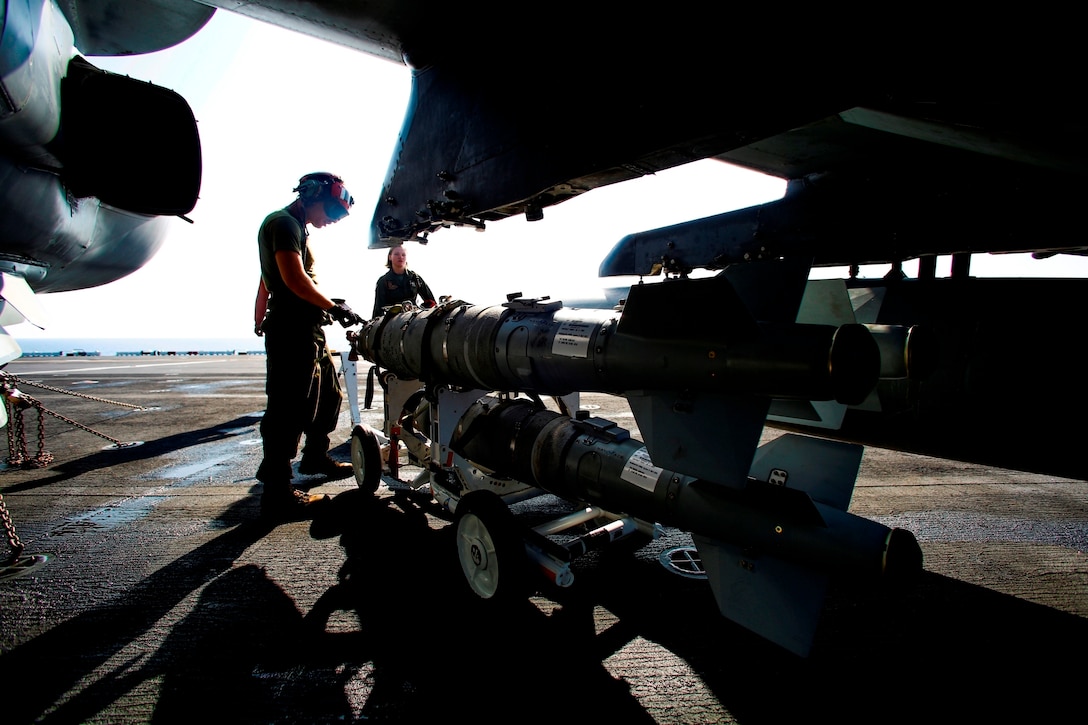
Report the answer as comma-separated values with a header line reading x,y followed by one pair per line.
x,y
17,402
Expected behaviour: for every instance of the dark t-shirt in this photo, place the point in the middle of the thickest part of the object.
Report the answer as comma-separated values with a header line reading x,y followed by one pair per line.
x,y
281,231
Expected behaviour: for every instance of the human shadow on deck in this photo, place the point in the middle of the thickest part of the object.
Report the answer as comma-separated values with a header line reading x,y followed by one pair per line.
x,y
68,469
436,654
68,654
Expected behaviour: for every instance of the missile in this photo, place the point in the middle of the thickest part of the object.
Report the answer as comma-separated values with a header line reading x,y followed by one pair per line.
x,y
770,546
583,460
538,346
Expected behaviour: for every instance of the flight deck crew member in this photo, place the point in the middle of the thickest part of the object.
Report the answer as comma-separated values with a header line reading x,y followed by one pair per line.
x,y
301,384
400,284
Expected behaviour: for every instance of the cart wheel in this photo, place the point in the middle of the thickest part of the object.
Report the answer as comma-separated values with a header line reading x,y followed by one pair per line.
x,y
490,549
366,458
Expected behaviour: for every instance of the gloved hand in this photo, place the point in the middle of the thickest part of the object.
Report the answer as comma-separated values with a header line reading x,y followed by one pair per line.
x,y
343,314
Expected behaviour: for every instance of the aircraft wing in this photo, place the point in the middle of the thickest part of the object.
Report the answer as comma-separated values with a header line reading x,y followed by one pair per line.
x,y
901,135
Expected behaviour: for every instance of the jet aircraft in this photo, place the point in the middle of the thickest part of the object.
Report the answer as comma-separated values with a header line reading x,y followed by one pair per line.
x,y
903,135
92,164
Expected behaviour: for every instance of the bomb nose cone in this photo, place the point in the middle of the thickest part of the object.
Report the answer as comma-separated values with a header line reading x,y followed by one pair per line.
x,y
903,557
854,364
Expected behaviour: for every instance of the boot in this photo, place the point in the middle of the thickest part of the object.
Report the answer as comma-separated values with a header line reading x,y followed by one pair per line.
x,y
325,466
287,503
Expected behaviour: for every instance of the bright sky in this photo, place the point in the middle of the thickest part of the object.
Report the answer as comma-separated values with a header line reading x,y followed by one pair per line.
x,y
343,112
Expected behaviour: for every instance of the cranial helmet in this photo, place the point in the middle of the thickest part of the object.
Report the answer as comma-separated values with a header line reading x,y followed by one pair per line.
x,y
328,188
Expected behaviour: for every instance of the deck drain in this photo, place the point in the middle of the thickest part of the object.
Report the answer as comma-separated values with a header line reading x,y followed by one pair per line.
x,y
683,560
22,565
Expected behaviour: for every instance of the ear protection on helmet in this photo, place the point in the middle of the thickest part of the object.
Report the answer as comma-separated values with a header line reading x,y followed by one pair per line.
x,y
330,187
309,189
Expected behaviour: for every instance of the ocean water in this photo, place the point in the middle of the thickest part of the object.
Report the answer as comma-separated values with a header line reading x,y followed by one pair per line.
x,y
108,346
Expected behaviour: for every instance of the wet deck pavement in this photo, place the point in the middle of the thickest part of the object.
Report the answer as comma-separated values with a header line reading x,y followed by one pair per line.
x,y
164,598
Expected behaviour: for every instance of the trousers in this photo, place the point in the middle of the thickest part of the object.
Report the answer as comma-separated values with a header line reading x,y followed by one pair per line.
x,y
304,398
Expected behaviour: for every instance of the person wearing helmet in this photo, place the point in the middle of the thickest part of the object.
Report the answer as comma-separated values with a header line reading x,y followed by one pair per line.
x,y
301,383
